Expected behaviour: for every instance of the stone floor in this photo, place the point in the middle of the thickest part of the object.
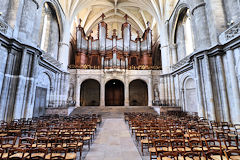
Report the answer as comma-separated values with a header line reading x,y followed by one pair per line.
x,y
113,142
112,111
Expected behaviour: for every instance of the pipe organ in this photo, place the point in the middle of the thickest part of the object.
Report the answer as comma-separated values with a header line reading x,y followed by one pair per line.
x,y
114,52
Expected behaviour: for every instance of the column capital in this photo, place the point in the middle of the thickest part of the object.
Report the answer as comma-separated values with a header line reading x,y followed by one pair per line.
x,y
63,44
173,46
202,4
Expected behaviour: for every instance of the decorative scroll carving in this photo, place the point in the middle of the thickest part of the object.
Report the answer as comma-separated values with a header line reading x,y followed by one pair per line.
x,y
232,32
181,63
3,27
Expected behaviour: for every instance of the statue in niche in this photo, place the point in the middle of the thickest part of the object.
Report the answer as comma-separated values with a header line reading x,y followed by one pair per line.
x,y
156,94
70,99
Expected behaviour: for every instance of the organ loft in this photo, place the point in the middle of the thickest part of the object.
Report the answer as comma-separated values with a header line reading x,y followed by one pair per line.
x,y
113,52
119,69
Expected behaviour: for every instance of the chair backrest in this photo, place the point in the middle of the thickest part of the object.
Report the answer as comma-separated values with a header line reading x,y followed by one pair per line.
x,y
38,153
58,153
192,155
171,155
26,142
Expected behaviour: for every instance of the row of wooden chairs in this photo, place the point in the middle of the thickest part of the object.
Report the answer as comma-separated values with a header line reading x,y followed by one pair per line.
x,y
181,133
47,137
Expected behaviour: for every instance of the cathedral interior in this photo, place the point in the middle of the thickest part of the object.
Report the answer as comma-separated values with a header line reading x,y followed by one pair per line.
x,y
110,63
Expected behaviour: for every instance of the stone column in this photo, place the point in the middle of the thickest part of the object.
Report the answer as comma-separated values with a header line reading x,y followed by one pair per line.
x,y
14,13
63,54
166,89
102,91
173,91
223,89
165,47
235,88
77,91
56,89
31,88
178,91
17,109
174,53
3,65
150,91
65,88
26,26
5,85
169,90
126,101
201,25
183,99
212,113
61,89
162,94
201,109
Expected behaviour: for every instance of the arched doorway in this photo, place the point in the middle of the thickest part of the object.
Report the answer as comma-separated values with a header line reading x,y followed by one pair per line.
x,y
114,93
138,93
190,96
90,93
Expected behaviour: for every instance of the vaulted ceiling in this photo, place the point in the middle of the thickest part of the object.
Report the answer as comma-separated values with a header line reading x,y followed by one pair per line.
x,y
138,11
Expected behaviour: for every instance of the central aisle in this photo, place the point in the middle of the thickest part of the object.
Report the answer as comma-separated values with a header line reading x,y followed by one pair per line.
x,y
114,142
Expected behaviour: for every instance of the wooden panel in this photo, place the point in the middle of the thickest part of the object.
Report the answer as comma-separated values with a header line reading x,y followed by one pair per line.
x,y
114,93
40,102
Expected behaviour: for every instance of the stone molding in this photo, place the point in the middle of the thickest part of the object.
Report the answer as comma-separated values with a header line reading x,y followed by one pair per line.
x,y
181,63
198,6
230,34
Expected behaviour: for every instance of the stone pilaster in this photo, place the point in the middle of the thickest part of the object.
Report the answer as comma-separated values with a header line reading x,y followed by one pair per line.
x,y
235,88
212,112
77,92
5,88
223,89
150,91
201,109
126,100
18,108
31,88
174,53
102,91
201,26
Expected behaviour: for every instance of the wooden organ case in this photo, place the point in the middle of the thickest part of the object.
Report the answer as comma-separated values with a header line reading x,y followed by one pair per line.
x,y
107,53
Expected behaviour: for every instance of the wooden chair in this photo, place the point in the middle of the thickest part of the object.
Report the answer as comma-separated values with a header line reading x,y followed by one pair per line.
x,y
57,153
192,156
214,155
232,154
25,142
168,156
3,155
8,142
197,146
213,144
18,153
37,153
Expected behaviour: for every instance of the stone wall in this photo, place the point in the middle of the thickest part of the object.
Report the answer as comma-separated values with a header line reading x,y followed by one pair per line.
x,y
23,69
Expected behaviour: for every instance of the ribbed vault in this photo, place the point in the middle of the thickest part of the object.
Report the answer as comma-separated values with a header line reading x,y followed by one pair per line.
x,y
139,12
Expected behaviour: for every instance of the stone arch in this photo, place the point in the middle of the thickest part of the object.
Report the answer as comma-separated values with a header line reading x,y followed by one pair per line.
x,y
138,93
177,13
90,93
189,94
49,33
182,31
114,93
42,94
59,13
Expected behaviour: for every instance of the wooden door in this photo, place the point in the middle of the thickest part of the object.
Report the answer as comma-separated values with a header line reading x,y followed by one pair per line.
x,y
40,102
114,93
